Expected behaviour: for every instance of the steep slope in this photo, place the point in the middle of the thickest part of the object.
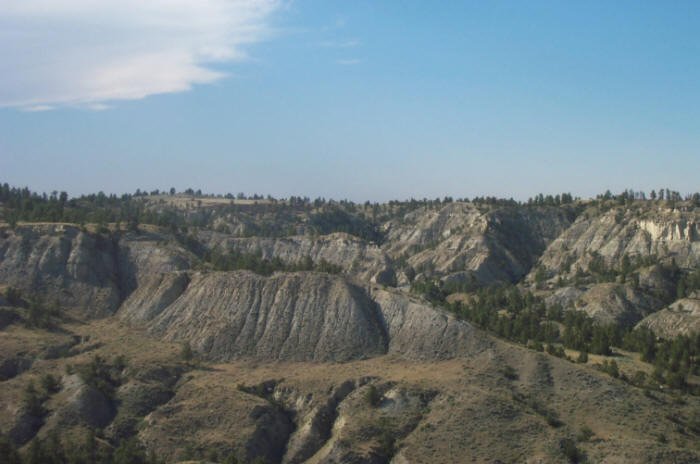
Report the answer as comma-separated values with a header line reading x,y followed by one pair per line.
x,y
419,331
661,233
637,247
680,318
333,368
300,316
79,269
293,316
607,303
466,244
353,255
145,254
61,263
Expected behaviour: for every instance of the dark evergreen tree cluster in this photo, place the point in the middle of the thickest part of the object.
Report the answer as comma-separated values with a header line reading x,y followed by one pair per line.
x,y
33,310
601,271
261,216
687,283
55,449
664,194
104,375
524,318
674,359
583,334
93,449
25,205
551,200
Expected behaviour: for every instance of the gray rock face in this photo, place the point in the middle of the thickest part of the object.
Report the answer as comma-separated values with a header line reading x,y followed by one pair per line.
x,y
566,297
680,318
136,399
61,263
354,437
423,228
664,234
353,255
418,331
458,239
155,294
607,303
146,255
314,425
81,269
654,281
302,316
299,316
84,404
386,277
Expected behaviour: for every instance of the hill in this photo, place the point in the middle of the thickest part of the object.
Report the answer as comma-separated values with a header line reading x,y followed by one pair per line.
x,y
290,331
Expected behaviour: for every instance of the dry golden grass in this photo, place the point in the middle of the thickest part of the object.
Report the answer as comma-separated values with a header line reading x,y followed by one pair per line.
x,y
478,415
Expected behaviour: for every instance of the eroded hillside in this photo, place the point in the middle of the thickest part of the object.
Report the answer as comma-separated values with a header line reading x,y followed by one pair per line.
x,y
296,331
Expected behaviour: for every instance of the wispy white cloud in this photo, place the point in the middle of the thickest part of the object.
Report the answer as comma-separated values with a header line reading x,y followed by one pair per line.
x,y
37,108
87,52
348,61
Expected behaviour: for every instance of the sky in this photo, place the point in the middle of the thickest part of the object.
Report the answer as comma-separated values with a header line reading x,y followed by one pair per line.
x,y
364,100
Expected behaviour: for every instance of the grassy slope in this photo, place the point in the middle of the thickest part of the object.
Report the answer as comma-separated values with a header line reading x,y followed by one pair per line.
x,y
478,413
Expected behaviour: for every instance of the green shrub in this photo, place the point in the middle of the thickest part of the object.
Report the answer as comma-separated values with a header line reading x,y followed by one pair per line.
x,y
32,401
100,374
372,396
585,434
186,353
50,384
13,296
571,452
509,373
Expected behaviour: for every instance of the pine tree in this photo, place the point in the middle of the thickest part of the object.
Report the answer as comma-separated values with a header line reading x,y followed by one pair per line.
x,y
130,452
186,353
32,401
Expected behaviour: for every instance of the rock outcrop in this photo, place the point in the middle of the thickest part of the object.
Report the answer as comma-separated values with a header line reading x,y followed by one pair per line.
x,y
314,423
680,318
607,303
79,269
298,316
61,263
418,331
81,404
139,397
303,316
144,255
253,426
154,296
353,255
662,234
460,241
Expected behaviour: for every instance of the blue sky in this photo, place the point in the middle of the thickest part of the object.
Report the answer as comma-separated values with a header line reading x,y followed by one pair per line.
x,y
361,100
